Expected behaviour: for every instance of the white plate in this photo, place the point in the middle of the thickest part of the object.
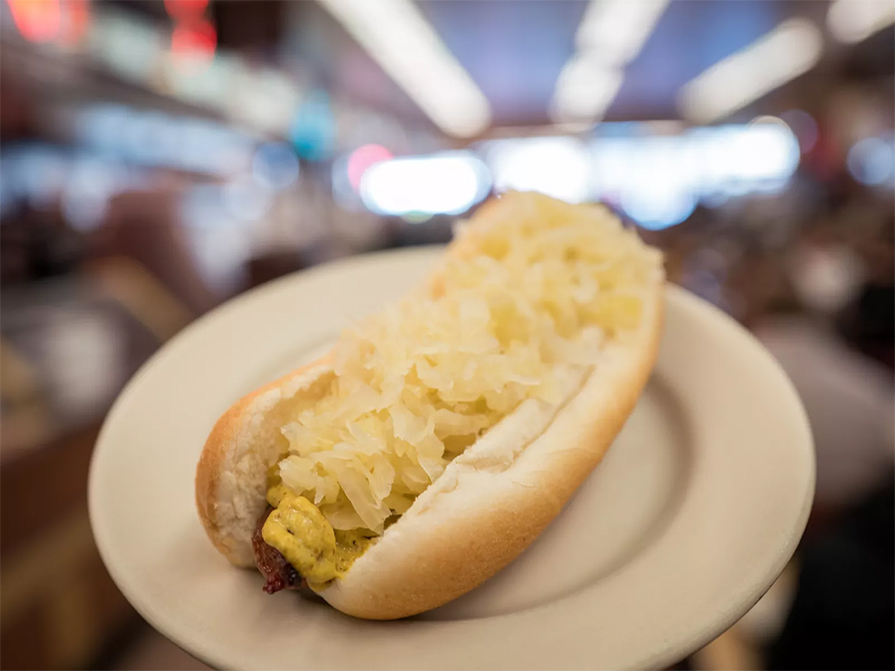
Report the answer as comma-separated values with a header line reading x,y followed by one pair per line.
x,y
689,519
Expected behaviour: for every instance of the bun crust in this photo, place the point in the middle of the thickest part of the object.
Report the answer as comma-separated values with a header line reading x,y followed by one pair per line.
x,y
490,503
231,478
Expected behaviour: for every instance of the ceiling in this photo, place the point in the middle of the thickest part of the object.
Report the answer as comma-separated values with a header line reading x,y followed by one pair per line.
x,y
515,49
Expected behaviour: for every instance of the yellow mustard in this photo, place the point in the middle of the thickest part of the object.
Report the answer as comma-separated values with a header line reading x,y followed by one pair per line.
x,y
301,533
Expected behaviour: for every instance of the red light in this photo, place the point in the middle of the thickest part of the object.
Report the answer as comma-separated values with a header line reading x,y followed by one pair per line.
x,y
76,21
194,42
362,159
37,20
186,9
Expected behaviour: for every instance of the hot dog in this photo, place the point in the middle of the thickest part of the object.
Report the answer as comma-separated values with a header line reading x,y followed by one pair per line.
x,y
441,435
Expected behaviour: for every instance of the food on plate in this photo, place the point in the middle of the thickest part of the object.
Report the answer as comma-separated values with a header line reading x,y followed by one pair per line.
x,y
441,435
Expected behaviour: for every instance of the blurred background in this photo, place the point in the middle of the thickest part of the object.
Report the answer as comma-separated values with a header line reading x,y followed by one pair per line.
x,y
158,158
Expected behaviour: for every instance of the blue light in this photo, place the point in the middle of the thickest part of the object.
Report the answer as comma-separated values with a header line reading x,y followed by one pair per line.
x,y
147,138
85,198
157,139
275,166
872,161
42,175
313,131
655,210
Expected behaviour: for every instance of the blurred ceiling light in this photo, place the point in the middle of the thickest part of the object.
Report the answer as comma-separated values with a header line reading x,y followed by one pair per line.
x,y
789,50
655,177
650,176
617,29
36,20
447,183
766,149
610,35
556,166
398,37
585,89
850,21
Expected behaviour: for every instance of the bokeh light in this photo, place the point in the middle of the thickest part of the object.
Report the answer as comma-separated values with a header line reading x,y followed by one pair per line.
x,y
275,165
362,159
37,20
448,183
193,43
555,166
871,161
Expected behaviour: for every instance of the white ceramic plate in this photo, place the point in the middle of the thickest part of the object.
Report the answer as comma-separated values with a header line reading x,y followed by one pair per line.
x,y
688,520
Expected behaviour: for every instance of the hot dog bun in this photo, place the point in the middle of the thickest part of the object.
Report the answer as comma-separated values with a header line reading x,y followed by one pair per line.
x,y
490,502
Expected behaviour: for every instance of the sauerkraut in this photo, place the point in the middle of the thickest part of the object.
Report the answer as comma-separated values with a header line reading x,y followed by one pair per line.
x,y
527,289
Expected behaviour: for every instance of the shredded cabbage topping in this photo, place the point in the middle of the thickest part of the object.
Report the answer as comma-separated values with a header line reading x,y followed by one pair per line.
x,y
533,285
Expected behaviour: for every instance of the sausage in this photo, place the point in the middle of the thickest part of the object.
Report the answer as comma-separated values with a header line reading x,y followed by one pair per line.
x,y
278,573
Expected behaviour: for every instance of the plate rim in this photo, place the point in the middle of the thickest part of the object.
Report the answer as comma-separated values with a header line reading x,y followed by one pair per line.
x,y
674,294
